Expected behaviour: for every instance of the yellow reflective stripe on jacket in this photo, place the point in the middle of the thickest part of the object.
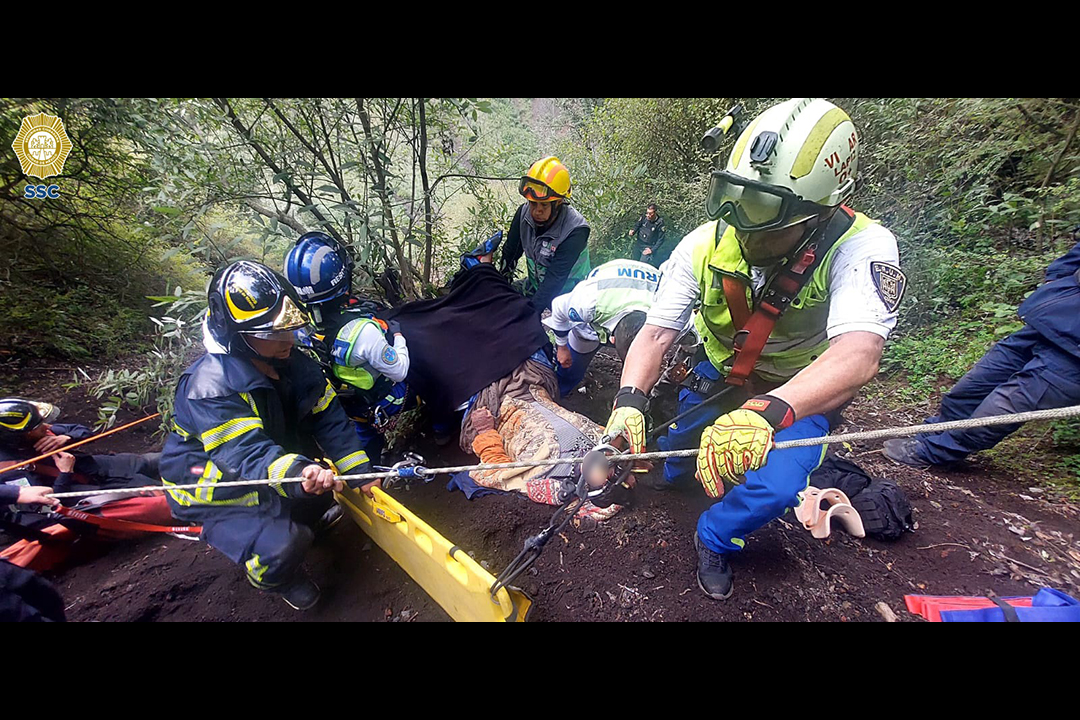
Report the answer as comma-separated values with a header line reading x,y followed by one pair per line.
x,y
278,470
179,430
325,400
250,401
229,430
211,474
186,499
348,462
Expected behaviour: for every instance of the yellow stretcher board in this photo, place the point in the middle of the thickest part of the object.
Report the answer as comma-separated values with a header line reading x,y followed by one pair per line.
x,y
446,572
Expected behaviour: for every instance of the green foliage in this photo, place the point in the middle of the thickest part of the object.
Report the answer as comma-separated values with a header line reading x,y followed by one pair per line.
x,y
176,341
76,267
932,359
79,323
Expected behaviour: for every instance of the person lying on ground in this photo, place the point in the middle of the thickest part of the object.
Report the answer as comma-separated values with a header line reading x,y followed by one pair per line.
x,y
26,431
514,420
251,408
1037,368
44,539
471,337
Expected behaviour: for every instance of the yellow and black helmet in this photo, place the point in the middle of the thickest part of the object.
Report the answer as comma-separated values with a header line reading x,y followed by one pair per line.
x,y
18,416
248,298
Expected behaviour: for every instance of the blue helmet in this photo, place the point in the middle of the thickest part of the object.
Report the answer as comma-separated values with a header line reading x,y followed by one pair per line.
x,y
319,268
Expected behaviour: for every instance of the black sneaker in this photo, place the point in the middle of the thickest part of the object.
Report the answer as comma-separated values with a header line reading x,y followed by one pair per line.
x,y
714,574
329,520
906,452
300,594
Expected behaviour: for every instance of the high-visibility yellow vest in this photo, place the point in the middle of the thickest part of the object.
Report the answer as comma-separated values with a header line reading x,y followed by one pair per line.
x,y
799,337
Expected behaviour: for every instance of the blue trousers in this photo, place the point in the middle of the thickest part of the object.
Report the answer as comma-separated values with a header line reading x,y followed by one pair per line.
x,y
765,495
1020,374
571,377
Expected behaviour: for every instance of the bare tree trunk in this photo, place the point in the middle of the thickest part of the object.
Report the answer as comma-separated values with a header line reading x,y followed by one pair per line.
x,y
381,189
429,239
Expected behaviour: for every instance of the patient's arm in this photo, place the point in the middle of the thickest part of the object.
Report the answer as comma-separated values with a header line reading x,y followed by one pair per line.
x,y
489,446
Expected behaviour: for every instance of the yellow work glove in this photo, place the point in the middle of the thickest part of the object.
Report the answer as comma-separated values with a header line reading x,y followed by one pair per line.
x,y
628,418
740,441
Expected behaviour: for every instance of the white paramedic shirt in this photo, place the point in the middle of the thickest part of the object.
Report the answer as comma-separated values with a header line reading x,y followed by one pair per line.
x,y
855,303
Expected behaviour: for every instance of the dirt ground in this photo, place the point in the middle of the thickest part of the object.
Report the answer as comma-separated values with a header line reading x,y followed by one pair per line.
x,y
978,530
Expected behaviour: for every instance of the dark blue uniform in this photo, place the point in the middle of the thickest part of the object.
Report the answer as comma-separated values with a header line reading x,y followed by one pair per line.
x,y
104,471
1038,368
233,422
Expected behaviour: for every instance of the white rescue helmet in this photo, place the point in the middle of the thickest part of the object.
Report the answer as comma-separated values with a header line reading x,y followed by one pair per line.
x,y
796,160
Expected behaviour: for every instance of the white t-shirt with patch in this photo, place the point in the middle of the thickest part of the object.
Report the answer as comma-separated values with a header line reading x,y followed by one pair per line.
x,y
371,348
855,305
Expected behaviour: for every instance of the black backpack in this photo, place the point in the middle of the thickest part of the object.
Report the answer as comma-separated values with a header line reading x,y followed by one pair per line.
x,y
882,505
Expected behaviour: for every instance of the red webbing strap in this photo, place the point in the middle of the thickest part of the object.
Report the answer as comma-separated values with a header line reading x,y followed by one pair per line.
x,y
751,340
117,524
735,297
754,337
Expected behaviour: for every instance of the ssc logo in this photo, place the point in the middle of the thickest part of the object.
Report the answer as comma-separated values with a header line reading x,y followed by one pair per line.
x,y
574,315
389,356
42,146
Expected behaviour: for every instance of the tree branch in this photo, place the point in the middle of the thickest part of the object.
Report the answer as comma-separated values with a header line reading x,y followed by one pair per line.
x,y
277,215
245,133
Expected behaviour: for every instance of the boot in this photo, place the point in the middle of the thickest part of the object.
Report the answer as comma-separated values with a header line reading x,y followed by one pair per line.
x,y
301,593
329,520
906,452
714,574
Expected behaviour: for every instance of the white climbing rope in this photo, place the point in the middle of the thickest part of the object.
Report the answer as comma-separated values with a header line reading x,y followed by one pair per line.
x,y
888,433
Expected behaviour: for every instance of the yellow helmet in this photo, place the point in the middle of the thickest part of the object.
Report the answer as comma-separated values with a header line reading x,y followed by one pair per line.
x,y
548,180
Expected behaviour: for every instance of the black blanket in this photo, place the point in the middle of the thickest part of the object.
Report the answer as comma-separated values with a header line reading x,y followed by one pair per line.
x,y
466,340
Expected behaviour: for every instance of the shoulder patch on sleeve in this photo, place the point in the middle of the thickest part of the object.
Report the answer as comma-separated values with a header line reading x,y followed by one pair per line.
x,y
389,355
574,315
889,282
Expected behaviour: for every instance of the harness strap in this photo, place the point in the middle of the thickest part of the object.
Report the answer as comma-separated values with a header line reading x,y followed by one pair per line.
x,y
735,296
780,292
117,524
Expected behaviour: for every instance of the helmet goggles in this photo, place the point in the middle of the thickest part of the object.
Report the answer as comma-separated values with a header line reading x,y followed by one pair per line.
x,y
537,191
752,206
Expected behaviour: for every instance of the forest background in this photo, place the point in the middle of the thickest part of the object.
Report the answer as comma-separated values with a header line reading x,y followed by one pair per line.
x,y
982,194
